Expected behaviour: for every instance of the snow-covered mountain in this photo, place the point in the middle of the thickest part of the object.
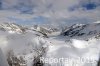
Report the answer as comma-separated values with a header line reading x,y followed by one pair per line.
x,y
15,28
25,45
75,30
11,28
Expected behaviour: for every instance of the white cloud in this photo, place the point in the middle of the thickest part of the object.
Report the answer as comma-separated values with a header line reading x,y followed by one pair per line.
x,y
80,44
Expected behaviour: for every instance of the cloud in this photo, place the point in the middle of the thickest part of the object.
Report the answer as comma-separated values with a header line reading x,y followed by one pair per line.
x,y
56,10
80,44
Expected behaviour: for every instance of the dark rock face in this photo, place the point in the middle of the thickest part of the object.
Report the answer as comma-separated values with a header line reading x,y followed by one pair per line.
x,y
37,62
82,30
98,64
74,30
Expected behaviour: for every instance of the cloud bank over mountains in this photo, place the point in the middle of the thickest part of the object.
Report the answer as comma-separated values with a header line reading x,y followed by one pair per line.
x,y
50,4
73,11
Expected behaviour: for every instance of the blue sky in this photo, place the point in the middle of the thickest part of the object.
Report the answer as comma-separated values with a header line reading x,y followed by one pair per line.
x,y
52,11
37,20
